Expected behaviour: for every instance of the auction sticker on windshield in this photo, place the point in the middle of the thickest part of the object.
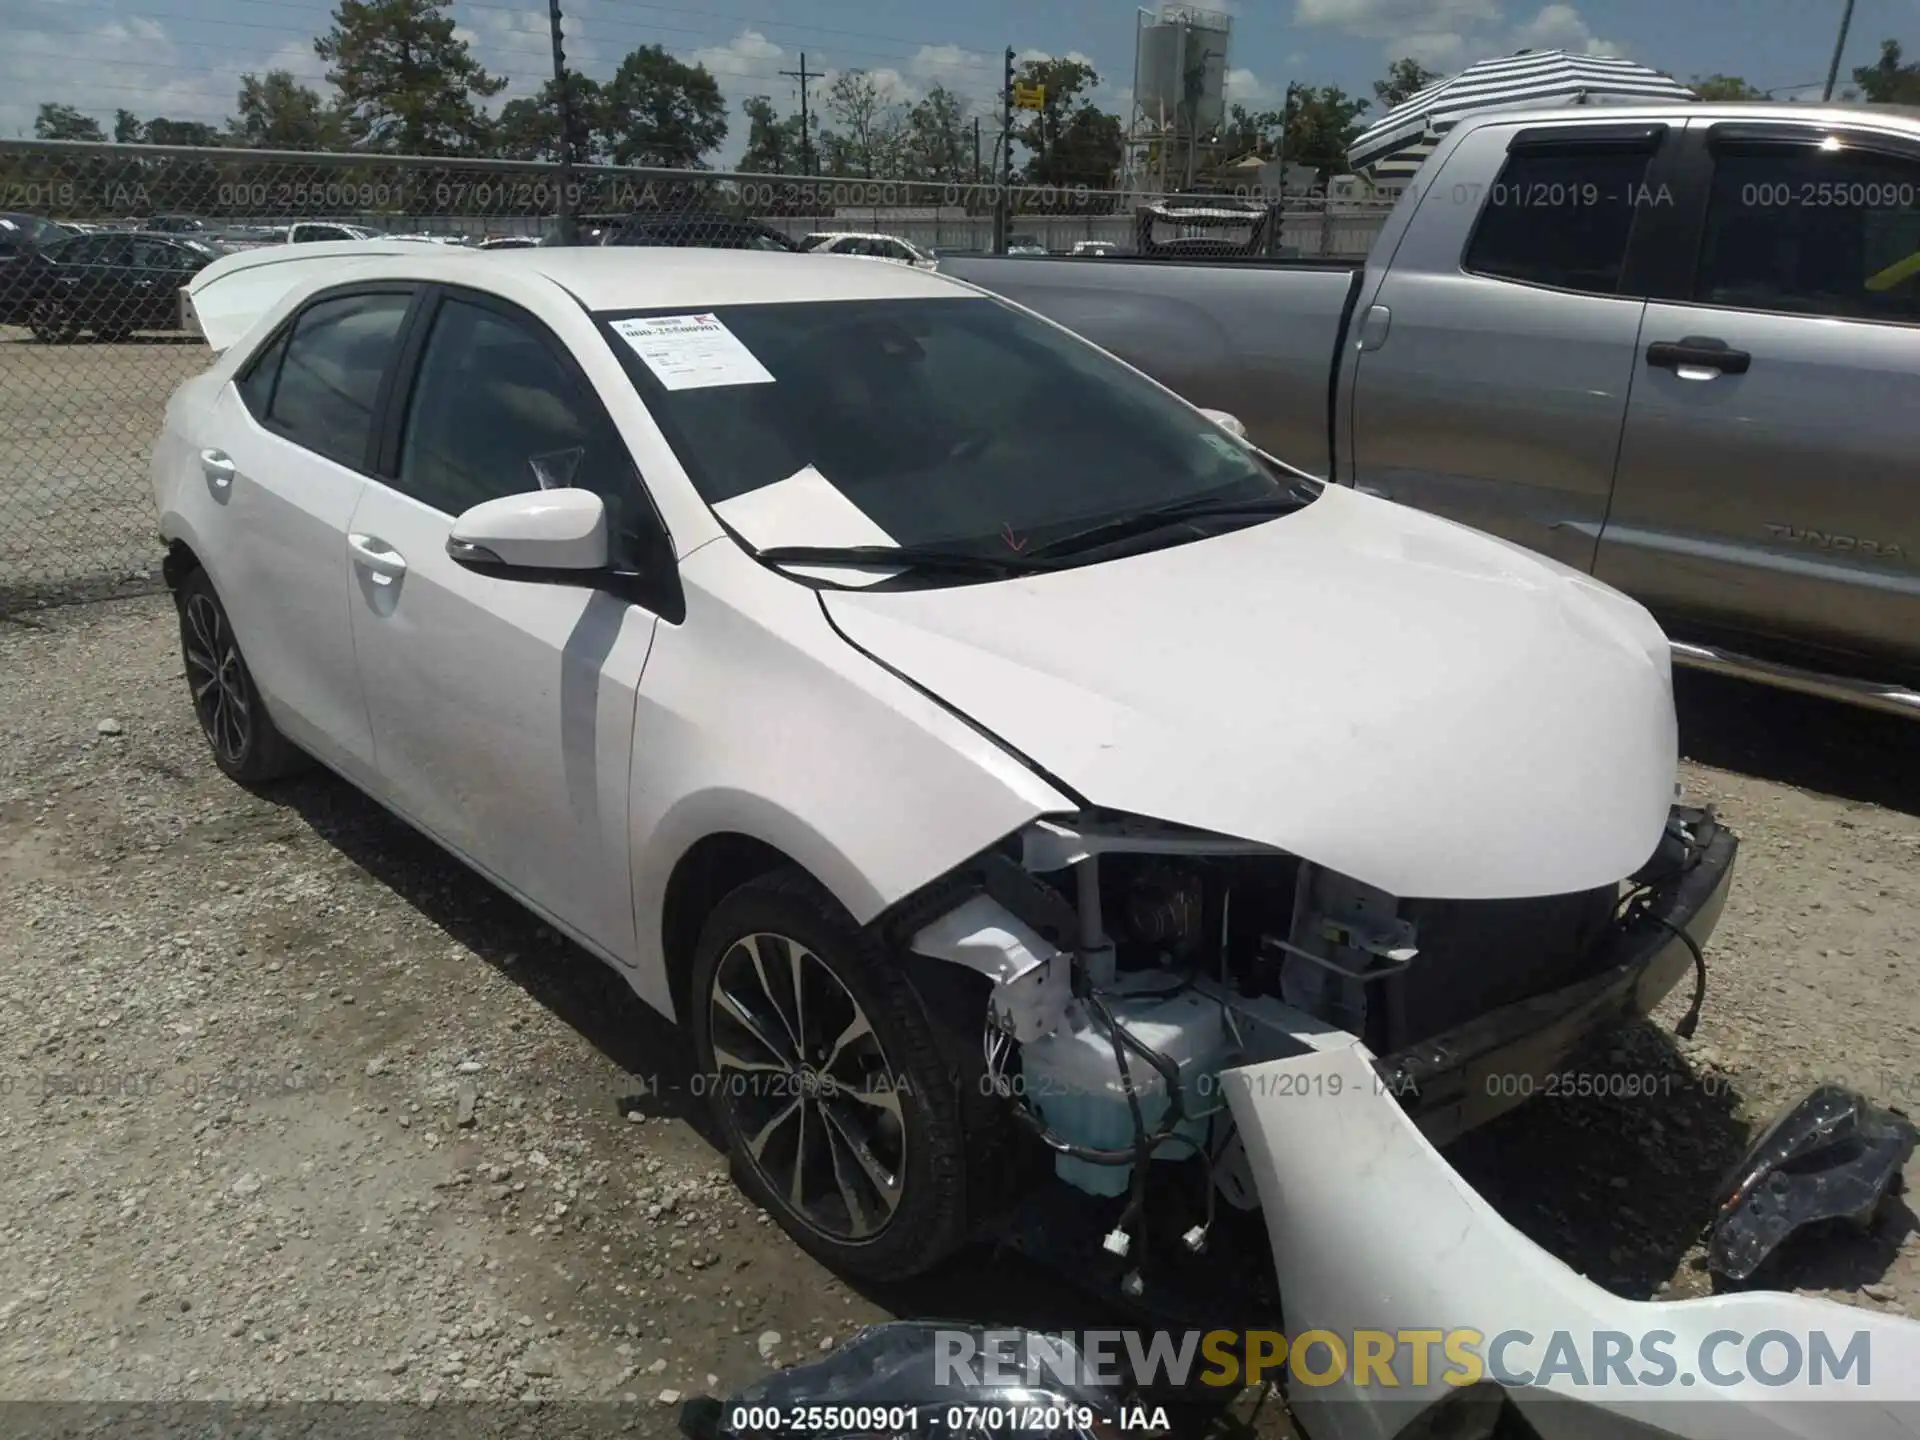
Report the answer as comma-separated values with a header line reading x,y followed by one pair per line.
x,y
692,352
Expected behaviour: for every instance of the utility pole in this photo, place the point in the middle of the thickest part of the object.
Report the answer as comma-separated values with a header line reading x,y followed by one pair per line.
x,y
564,207
976,149
1002,199
806,131
1840,44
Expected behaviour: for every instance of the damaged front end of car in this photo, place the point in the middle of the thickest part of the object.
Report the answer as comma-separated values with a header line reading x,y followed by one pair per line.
x,y
1162,1001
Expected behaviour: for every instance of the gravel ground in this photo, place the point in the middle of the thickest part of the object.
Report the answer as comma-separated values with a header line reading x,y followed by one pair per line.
x,y
292,1107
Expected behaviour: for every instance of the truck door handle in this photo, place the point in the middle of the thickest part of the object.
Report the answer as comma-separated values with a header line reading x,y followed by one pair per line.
x,y
386,563
218,467
1698,357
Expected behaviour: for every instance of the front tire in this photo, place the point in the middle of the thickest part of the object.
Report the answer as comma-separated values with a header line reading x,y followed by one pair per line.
x,y
246,744
824,1075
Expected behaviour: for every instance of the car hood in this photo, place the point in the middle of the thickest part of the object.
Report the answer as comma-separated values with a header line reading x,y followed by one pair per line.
x,y
1424,708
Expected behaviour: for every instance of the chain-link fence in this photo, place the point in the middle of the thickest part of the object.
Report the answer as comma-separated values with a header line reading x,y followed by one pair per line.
x,y
97,240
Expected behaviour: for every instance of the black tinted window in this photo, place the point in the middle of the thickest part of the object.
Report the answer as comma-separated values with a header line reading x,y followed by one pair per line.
x,y
495,413
93,250
331,373
256,382
947,421
1815,232
1560,218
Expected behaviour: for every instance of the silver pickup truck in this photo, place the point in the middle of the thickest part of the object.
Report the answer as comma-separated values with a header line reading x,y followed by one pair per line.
x,y
1675,347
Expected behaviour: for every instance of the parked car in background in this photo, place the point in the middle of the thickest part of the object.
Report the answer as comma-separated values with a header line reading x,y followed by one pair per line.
x,y
1696,379
877,246
110,284
508,242
1025,245
307,232
21,237
173,224
1097,249
703,229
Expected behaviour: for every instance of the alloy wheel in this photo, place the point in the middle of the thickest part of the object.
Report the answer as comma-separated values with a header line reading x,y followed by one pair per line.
x,y
807,1087
217,680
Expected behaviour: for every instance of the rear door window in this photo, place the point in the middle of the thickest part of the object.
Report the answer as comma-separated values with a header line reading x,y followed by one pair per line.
x,y
1811,231
1560,218
330,377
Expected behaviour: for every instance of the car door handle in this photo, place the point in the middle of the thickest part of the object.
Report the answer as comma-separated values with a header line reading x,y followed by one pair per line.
x,y
386,563
217,466
1698,357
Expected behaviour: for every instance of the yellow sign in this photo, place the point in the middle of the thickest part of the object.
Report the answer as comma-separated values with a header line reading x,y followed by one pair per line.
x,y
1029,97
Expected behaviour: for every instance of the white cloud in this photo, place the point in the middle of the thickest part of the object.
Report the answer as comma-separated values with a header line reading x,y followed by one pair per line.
x,y
132,64
1248,89
1391,19
1447,34
1560,27
747,64
1442,51
965,72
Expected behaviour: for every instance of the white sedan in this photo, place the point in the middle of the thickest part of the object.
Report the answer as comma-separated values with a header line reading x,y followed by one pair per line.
x,y
874,246
932,712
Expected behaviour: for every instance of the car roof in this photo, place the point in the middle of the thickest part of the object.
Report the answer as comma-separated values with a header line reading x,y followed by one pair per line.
x,y
1825,113
642,277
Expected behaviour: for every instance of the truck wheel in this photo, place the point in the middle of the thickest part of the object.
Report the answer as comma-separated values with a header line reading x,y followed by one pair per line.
x,y
823,1073
246,744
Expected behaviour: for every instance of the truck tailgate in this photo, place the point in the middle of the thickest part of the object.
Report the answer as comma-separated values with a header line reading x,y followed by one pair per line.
x,y
1257,340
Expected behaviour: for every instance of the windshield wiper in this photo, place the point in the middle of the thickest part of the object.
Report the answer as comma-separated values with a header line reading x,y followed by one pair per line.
x,y
1143,522
903,557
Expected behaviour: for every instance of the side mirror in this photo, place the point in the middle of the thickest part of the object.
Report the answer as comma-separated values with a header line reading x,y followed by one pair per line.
x,y
1229,423
540,530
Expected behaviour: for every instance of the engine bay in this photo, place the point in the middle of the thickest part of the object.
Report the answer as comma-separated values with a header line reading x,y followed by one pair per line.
x,y
1132,963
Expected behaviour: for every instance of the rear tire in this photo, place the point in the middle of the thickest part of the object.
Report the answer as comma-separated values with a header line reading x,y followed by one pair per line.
x,y
52,323
840,1116
246,744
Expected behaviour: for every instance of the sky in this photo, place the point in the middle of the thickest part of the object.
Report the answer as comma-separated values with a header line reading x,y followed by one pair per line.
x,y
183,58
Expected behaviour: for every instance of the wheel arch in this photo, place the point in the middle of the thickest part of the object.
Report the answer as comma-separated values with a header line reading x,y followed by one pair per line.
x,y
707,871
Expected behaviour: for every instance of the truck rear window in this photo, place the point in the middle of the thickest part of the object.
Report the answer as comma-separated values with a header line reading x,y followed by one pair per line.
x,y
1560,219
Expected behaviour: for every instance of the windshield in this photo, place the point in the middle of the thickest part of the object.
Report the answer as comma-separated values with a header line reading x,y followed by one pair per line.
x,y
959,423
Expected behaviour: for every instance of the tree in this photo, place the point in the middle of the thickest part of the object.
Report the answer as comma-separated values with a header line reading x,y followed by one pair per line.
x,y
406,83
1724,87
162,131
1250,132
1061,83
1886,81
277,112
130,129
1070,140
870,132
1405,78
662,111
529,128
63,122
938,144
773,144
1321,124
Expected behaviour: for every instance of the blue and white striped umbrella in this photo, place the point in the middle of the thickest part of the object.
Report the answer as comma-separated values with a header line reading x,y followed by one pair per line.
x,y
1400,140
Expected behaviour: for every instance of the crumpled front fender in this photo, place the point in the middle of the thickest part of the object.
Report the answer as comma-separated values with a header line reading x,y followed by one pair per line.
x,y
1373,1231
